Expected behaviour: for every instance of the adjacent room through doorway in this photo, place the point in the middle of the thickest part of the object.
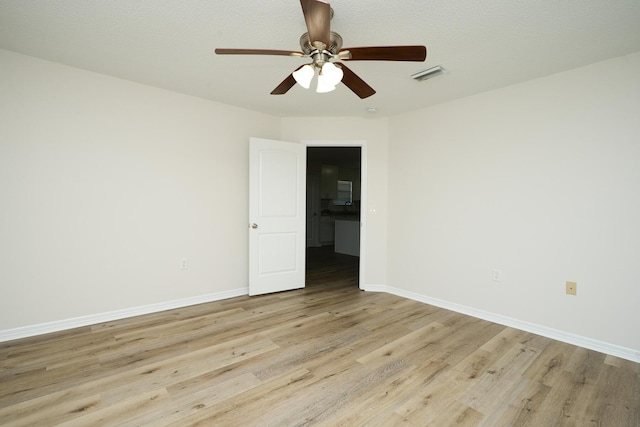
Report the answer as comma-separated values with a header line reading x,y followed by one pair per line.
x,y
333,215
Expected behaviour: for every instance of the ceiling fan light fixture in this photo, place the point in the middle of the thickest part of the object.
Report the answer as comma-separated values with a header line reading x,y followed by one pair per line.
x,y
322,45
331,74
323,87
304,75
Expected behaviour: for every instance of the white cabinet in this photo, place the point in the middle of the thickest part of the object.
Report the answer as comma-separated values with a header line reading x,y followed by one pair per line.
x,y
356,184
329,181
327,230
348,237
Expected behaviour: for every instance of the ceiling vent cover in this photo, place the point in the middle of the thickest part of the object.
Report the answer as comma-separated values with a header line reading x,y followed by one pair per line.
x,y
429,73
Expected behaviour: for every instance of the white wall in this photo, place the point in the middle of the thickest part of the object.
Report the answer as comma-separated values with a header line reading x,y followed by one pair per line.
x,y
105,185
375,133
540,180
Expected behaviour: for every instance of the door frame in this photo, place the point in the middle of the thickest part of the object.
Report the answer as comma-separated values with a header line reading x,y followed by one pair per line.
x,y
363,194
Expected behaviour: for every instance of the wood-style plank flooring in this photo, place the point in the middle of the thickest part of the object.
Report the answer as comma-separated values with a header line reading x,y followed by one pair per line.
x,y
327,355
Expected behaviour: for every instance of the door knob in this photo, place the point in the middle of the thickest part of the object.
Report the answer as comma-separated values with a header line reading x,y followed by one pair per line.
x,y
254,225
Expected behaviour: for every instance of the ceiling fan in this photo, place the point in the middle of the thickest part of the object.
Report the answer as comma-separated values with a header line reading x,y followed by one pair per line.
x,y
324,47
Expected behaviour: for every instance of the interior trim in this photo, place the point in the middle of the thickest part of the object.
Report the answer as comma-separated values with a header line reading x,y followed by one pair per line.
x,y
60,325
363,193
569,338
92,319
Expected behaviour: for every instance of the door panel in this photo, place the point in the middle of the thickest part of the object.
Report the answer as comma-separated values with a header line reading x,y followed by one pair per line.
x,y
278,252
277,187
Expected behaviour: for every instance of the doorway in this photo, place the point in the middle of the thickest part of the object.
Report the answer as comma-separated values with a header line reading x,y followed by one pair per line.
x,y
335,230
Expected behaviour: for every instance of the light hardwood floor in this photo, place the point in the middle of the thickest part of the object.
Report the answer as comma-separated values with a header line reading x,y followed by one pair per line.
x,y
328,355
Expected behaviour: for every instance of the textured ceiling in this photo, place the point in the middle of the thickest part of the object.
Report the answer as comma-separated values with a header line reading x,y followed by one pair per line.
x,y
169,44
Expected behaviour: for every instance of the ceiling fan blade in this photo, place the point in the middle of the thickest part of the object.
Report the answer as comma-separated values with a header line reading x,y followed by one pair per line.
x,y
286,84
355,83
258,52
384,53
317,15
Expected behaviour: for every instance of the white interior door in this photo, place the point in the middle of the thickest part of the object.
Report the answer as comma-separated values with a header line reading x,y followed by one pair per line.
x,y
277,174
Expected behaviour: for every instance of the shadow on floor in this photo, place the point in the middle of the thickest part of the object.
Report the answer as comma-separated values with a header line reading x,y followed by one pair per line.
x,y
324,266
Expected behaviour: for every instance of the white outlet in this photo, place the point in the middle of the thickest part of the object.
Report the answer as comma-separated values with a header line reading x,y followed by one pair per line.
x,y
184,264
496,275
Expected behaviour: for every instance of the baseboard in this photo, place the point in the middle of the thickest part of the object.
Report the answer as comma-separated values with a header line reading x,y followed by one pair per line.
x,y
61,325
601,346
580,341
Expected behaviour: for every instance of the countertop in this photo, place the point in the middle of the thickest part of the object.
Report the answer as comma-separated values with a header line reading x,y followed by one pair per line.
x,y
347,216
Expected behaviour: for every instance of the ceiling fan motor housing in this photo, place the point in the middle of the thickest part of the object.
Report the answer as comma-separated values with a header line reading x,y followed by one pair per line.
x,y
307,47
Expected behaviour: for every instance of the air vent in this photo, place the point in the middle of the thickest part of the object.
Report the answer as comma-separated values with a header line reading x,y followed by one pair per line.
x,y
429,73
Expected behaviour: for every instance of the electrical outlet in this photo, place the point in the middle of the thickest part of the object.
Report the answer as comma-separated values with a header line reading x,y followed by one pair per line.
x,y
496,275
572,288
184,264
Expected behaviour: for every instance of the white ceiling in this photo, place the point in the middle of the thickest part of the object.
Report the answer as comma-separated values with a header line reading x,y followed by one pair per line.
x,y
169,44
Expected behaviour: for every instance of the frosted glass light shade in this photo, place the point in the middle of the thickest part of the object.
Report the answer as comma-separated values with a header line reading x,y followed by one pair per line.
x,y
323,87
304,75
332,73
329,77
